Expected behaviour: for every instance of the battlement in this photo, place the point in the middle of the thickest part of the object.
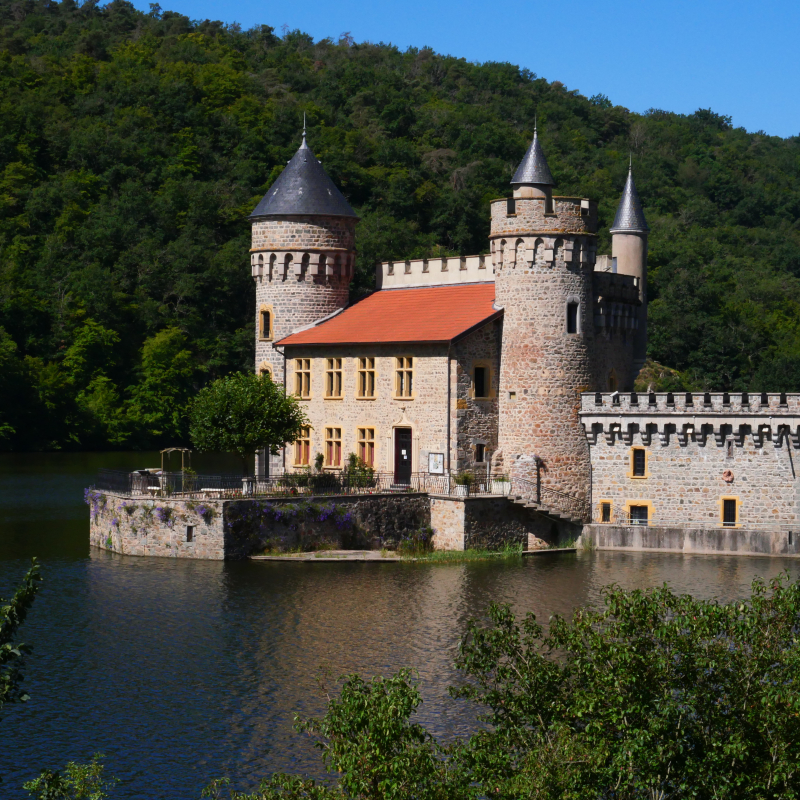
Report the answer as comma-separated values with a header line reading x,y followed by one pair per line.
x,y
716,403
691,416
516,216
435,271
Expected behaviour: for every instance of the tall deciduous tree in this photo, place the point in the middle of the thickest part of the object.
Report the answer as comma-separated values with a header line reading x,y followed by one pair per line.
x,y
244,413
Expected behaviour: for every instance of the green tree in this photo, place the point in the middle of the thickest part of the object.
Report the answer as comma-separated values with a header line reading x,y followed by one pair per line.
x,y
160,399
242,414
79,782
12,653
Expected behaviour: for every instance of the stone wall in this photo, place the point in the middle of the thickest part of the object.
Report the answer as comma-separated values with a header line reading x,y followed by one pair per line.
x,y
476,419
303,233
686,483
235,529
697,454
346,522
491,523
568,216
425,413
141,527
544,368
708,541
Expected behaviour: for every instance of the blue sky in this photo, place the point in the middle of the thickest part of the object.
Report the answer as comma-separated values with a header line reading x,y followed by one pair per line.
x,y
737,58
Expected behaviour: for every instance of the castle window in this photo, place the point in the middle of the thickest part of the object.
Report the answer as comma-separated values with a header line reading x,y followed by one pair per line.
x,y
366,378
639,515
333,447
481,382
404,378
265,323
605,512
302,447
639,462
366,445
730,514
265,368
333,378
572,317
190,533
302,378
480,453
548,206
511,207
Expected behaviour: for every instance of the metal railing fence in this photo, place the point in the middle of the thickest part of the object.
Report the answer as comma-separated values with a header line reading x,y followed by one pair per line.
x,y
145,483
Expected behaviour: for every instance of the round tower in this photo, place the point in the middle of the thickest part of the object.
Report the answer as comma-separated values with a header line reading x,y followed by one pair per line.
x,y
302,255
629,254
544,249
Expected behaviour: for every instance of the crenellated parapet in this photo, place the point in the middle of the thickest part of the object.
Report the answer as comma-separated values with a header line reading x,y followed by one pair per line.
x,y
703,417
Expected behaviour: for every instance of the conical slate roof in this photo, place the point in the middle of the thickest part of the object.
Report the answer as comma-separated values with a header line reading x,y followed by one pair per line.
x,y
630,217
303,188
533,168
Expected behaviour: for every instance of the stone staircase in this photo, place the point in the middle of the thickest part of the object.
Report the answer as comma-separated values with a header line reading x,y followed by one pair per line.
x,y
555,504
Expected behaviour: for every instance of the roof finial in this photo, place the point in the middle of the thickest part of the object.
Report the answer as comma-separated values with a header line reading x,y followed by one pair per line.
x,y
535,121
304,129
630,161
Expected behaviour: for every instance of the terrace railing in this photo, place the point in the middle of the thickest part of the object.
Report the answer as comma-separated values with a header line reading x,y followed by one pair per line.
x,y
291,484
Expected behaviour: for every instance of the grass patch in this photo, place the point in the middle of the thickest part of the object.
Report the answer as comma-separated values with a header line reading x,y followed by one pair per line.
x,y
458,556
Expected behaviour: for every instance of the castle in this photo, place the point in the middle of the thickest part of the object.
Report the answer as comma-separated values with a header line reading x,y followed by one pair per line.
x,y
519,362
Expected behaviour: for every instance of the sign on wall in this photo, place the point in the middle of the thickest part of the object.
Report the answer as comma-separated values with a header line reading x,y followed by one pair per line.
x,y
436,463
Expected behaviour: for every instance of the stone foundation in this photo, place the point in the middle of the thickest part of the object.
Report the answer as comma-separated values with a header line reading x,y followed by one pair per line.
x,y
704,541
236,529
491,523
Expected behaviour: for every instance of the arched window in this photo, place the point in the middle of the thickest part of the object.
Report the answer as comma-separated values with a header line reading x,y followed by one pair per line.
x,y
573,317
265,368
265,322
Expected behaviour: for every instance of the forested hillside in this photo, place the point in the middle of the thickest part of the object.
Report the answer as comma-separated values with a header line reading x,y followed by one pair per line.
x,y
134,145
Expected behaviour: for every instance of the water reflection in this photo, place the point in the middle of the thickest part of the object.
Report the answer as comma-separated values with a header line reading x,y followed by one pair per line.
x,y
184,671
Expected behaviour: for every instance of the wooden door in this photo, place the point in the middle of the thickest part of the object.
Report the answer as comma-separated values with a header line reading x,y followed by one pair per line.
x,y
402,455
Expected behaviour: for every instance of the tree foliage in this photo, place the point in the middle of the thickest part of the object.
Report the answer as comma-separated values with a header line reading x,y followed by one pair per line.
x,y
12,653
134,145
244,413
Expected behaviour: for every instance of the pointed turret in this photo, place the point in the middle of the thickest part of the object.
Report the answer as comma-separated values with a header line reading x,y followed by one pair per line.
x,y
630,217
533,168
629,257
303,188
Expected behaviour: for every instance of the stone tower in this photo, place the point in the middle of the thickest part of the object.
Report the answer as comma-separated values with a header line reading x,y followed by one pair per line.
x,y
302,257
629,254
544,249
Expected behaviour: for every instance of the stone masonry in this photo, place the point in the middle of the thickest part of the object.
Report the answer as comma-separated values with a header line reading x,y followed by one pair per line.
x,y
718,446
543,262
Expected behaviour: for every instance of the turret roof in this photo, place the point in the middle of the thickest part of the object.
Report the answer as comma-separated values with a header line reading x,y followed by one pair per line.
x,y
533,167
630,217
303,188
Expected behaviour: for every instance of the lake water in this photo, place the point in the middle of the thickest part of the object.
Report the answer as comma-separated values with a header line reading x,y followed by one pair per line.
x,y
183,671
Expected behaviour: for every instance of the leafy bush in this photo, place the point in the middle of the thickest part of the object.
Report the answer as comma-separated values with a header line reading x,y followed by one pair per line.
x,y
654,696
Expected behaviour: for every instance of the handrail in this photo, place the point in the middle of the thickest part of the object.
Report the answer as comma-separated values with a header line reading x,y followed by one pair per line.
x,y
181,485
577,508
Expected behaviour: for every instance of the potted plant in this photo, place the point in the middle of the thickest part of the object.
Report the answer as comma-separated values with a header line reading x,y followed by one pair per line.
x,y
501,484
463,481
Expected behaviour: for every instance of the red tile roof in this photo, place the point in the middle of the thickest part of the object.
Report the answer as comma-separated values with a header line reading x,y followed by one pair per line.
x,y
426,314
